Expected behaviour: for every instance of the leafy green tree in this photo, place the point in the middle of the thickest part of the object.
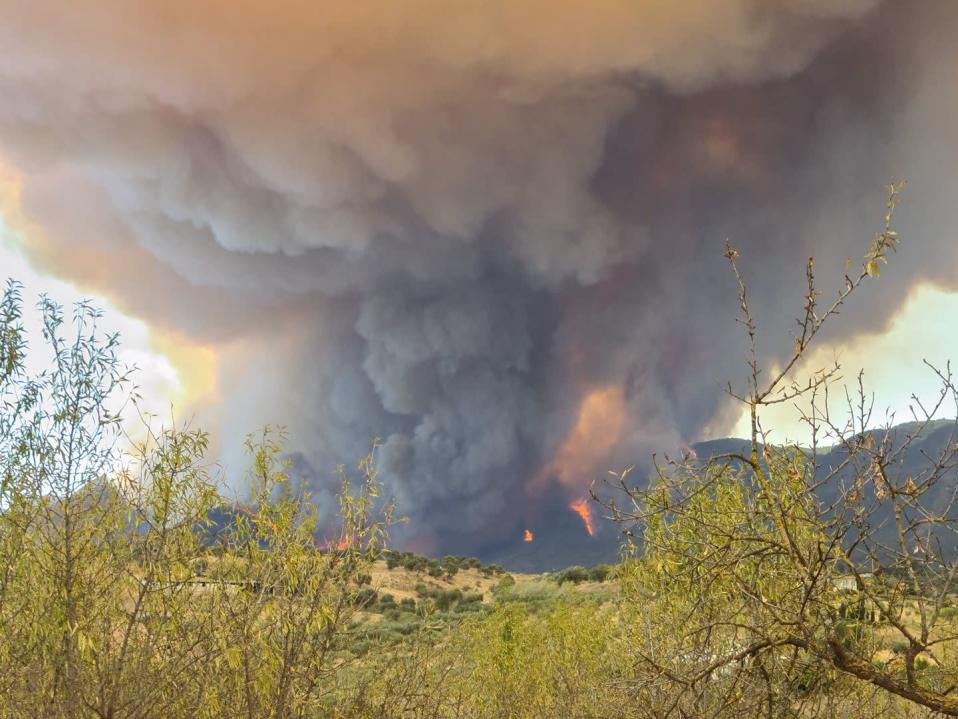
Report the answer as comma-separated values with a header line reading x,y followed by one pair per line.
x,y
565,662
600,573
743,555
102,609
575,574
278,640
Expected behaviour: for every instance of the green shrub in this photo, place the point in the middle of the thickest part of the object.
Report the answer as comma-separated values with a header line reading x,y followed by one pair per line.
x,y
949,612
533,592
465,608
387,601
575,574
360,646
444,600
600,572
365,597
503,585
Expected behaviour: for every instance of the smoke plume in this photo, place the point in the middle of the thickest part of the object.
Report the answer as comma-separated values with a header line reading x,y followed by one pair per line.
x,y
487,232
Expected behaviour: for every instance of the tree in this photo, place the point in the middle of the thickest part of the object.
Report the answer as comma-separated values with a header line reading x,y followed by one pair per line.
x,y
744,555
278,638
59,436
575,574
565,661
102,611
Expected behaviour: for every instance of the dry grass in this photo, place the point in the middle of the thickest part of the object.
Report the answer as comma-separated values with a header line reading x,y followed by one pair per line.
x,y
401,582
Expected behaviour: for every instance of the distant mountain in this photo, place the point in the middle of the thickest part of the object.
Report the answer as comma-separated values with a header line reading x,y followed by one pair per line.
x,y
565,543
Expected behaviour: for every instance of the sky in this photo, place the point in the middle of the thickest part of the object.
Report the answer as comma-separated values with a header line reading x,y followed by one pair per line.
x,y
487,233
893,363
158,380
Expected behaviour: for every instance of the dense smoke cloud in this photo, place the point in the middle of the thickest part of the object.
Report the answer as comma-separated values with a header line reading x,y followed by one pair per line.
x,y
447,224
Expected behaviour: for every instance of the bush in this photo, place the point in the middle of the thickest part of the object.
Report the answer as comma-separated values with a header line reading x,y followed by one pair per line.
x,y
96,521
538,591
365,597
503,585
600,572
560,662
360,647
444,600
387,601
574,574
415,563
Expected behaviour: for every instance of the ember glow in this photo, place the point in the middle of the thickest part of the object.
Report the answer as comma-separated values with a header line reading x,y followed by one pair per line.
x,y
527,536
598,428
581,507
339,545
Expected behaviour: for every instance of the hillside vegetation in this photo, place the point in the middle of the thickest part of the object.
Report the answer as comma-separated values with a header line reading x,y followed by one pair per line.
x,y
759,581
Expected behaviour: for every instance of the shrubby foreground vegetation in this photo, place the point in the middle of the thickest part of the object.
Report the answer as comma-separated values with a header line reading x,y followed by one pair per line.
x,y
750,584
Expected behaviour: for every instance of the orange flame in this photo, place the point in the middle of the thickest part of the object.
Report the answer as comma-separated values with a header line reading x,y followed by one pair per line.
x,y
527,536
598,428
337,545
581,507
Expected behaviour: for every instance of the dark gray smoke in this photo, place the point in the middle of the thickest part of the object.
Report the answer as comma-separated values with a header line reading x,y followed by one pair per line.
x,y
445,228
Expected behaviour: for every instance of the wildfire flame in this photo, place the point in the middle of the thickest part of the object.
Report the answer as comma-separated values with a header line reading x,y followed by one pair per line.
x,y
598,428
581,507
527,536
337,545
